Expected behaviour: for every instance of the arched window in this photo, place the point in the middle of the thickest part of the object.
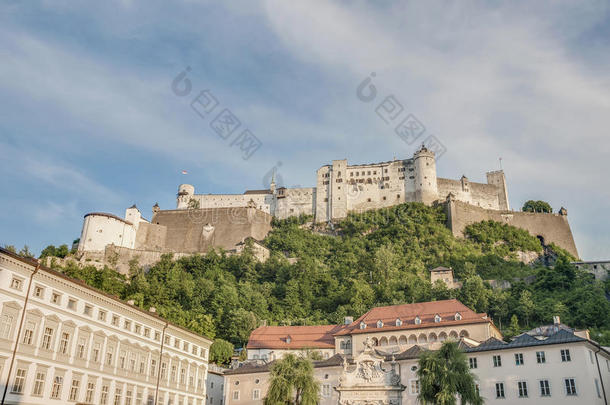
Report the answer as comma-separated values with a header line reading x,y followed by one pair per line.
x,y
402,340
458,316
464,333
437,318
442,337
398,322
362,325
417,320
453,335
393,341
412,339
383,341
422,338
432,338
380,323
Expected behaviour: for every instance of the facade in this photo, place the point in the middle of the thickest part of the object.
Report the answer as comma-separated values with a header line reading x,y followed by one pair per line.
x,y
65,342
214,385
599,268
551,364
342,188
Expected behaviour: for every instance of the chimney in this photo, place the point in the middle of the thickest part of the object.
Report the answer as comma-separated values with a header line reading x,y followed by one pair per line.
x,y
556,320
152,309
348,320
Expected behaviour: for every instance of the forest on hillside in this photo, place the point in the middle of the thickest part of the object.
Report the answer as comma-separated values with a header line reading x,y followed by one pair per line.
x,y
380,257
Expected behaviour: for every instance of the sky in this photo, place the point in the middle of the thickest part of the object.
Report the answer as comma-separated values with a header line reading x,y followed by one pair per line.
x,y
93,115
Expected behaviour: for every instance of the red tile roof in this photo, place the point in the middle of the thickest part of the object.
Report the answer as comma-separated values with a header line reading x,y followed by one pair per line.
x,y
426,311
274,337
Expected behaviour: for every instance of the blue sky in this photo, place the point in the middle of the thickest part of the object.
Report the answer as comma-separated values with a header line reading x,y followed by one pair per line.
x,y
89,122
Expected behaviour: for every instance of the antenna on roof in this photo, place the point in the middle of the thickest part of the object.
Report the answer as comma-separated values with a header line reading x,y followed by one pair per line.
x,y
500,159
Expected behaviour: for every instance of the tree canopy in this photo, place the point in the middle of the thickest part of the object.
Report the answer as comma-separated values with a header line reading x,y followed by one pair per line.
x,y
536,206
292,382
444,374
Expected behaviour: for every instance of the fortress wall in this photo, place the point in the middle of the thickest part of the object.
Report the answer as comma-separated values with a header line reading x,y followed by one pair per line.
x,y
479,194
295,201
202,229
552,227
122,256
100,229
151,236
232,200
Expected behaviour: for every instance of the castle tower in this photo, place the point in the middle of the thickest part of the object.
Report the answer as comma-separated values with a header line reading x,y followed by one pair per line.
x,y
426,190
338,189
133,215
185,193
498,179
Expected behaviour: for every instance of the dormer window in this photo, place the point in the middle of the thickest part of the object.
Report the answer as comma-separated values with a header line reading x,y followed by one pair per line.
x,y
437,318
288,339
458,316
380,323
417,320
362,325
398,322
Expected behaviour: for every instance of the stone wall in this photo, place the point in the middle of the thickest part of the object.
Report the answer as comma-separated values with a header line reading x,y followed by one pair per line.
x,y
551,228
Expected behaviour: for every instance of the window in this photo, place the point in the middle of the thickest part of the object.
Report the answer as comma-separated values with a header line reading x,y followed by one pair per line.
x,y
101,315
185,346
326,390
56,298
138,329
56,389
127,324
19,381
122,358
117,396
499,390
39,384
104,395
90,392
115,320
236,395
540,357
17,283
380,324
109,353
6,326
570,386
194,351
147,332
519,359
72,304
362,325
46,338
565,355
38,292
182,376
28,335
545,388
173,374
95,354
166,340
497,360
80,348
63,343
128,397
74,390
599,395
522,386
458,316
153,367
163,370
472,362
256,393
177,343
88,310
477,389
157,335
414,387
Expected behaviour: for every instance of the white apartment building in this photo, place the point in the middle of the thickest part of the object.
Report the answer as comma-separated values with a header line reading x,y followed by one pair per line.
x,y
215,385
64,342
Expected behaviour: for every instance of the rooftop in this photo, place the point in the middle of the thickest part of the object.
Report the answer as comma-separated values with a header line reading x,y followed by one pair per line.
x,y
293,337
407,314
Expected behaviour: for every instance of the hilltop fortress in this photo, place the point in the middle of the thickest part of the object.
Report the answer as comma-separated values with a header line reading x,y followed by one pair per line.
x,y
201,222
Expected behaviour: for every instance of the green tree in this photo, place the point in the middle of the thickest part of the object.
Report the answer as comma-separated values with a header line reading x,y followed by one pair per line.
x,y
474,294
526,305
25,252
221,351
536,206
10,248
514,328
444,374
292,382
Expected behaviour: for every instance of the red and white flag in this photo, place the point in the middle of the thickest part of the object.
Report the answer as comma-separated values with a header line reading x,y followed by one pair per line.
x,y
185,172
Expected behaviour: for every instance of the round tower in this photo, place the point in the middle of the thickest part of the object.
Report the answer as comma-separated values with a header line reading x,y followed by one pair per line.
x,y
185,193
425,176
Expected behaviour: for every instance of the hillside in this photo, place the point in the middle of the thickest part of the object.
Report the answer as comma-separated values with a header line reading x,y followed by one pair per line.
x,y
377,258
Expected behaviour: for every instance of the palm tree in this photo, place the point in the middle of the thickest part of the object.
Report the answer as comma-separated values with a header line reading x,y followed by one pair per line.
x,y
444,374
292,382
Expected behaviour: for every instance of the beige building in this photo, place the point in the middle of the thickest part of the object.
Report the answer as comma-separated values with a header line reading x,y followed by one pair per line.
x,y
552,364
62,341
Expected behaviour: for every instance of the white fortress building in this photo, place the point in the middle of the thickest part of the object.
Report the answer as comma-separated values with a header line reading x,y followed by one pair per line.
x,y
63,342
342,188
